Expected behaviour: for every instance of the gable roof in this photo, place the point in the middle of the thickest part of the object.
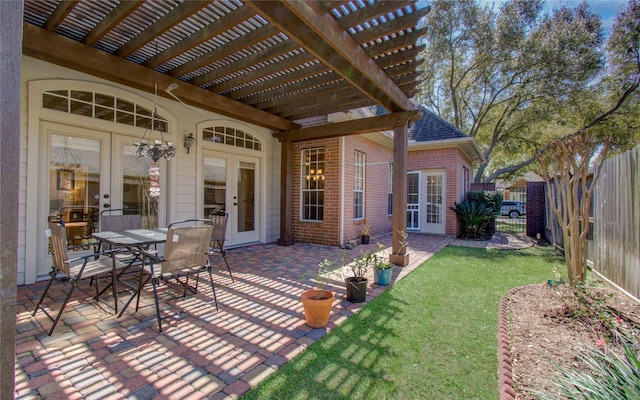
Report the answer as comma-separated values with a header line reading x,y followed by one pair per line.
x,y
431,132
431,127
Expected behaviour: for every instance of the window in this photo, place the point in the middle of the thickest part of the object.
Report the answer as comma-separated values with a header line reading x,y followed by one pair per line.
x,y
312,184
466,182
231,137
390,189
358,185
103,106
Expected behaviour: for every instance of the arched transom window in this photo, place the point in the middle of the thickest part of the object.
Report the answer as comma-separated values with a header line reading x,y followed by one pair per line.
x,y
102,106
232,137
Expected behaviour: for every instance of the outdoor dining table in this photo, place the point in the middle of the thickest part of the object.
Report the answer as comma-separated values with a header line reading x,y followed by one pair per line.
x,y
134,240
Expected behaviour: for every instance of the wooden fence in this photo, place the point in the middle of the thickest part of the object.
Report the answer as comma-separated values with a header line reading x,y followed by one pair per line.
x,y
615,241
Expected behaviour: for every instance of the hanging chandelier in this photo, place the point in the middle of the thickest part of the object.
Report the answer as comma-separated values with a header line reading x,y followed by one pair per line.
x,y
159,148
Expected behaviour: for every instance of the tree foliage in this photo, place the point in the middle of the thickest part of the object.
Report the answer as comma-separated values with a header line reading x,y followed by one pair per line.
x,y
571,165
517,79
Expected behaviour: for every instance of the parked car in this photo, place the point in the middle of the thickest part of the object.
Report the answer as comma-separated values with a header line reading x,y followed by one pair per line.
x,y
513,209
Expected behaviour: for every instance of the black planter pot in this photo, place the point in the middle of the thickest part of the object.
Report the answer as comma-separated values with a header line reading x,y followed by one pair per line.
x,y
365,239
356,290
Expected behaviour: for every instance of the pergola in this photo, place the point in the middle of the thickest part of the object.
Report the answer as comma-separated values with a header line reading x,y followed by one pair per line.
x,y
269,63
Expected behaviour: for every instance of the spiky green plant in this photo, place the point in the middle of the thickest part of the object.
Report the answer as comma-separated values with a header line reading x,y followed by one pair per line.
x,y
607,376
475,218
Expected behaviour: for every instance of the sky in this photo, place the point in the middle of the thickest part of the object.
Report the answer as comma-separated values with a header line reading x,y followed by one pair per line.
x,y
607,9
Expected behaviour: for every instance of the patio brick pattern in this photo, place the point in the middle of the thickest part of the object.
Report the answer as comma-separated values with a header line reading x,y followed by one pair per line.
x,y
201,353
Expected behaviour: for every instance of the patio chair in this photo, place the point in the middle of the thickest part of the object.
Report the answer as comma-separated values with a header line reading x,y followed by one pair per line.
x,y
71,270
111,221
120,219
219,220
185,254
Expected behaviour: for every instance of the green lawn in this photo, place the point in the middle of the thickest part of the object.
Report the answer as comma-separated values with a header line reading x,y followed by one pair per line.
x,y
431,335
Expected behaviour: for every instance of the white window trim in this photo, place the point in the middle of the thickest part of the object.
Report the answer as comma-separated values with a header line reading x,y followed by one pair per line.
x,y
359,163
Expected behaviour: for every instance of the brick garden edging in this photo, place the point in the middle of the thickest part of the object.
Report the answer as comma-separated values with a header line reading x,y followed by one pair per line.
x,y
505,371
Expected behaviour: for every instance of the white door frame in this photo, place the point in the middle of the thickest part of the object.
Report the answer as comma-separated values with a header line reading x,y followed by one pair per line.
x,y
429,227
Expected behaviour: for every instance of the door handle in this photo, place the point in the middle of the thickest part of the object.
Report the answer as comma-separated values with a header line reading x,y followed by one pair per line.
x,y
106,205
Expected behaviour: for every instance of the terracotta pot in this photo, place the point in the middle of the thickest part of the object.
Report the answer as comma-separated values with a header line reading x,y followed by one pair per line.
x,y
317,306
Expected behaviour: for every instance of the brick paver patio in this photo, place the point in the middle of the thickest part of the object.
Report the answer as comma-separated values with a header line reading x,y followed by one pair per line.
x,y
201,353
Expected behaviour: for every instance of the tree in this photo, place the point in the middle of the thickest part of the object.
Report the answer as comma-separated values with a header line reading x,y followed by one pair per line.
x,y
565,166
500,77
571,165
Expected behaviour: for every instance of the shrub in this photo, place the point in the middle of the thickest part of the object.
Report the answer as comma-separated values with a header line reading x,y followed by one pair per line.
x,y
475,218
492,199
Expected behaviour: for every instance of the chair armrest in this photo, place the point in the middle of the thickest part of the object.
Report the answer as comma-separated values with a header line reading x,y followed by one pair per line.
x,y
151,254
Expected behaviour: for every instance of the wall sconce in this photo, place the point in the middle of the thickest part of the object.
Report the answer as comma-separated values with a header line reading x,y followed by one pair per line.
x,y
188,142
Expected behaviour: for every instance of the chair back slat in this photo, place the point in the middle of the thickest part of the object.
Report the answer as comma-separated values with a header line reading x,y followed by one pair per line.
x,y
120,222
219,230
186,247
59,247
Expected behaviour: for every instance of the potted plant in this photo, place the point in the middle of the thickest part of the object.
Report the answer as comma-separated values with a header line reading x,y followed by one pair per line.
x,y
317,302
382,270
357,283
366,232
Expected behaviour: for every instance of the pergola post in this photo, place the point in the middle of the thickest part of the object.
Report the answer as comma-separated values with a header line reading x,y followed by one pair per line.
x,y
286,197
11,14
399,255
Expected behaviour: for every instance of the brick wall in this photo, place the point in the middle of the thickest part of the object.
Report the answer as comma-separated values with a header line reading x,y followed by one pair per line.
x,y
327,232
450,160
324,232
376,189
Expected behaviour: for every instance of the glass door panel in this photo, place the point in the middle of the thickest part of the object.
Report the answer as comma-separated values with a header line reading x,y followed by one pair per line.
x,y
135,187
246,197
215,185
74,185
434,203
413,198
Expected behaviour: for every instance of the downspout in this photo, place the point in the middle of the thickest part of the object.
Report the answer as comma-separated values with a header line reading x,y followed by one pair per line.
x,y
341,218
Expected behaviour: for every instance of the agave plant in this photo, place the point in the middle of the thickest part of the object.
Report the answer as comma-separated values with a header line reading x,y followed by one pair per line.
x,y
475,218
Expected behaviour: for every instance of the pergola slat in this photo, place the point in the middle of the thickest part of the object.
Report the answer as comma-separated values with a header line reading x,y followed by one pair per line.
x,y
320,34
59,14
221,52
176,16
117,15
213,29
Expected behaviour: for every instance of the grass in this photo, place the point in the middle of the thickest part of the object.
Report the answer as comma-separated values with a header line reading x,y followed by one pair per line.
x,y
431,335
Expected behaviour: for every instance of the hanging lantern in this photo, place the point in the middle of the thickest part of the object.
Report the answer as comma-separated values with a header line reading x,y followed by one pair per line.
x,y
154,180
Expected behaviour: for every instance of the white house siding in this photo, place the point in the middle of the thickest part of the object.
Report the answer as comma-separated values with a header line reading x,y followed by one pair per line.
x,y
182,187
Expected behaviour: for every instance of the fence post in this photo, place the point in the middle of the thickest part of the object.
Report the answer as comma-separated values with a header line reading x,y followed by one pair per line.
x,y
535,208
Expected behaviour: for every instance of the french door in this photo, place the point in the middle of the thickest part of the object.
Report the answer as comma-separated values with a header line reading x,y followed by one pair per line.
x,y
231,186
413,200
87,172
433,202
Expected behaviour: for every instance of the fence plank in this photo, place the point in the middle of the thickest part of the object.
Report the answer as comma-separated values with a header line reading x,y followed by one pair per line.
x,y
615,248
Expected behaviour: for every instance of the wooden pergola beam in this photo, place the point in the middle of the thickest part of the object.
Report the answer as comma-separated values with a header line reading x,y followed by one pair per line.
x,y
59,50
352,127
58,15
117,15
225,50
177,15
319,33
202,35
